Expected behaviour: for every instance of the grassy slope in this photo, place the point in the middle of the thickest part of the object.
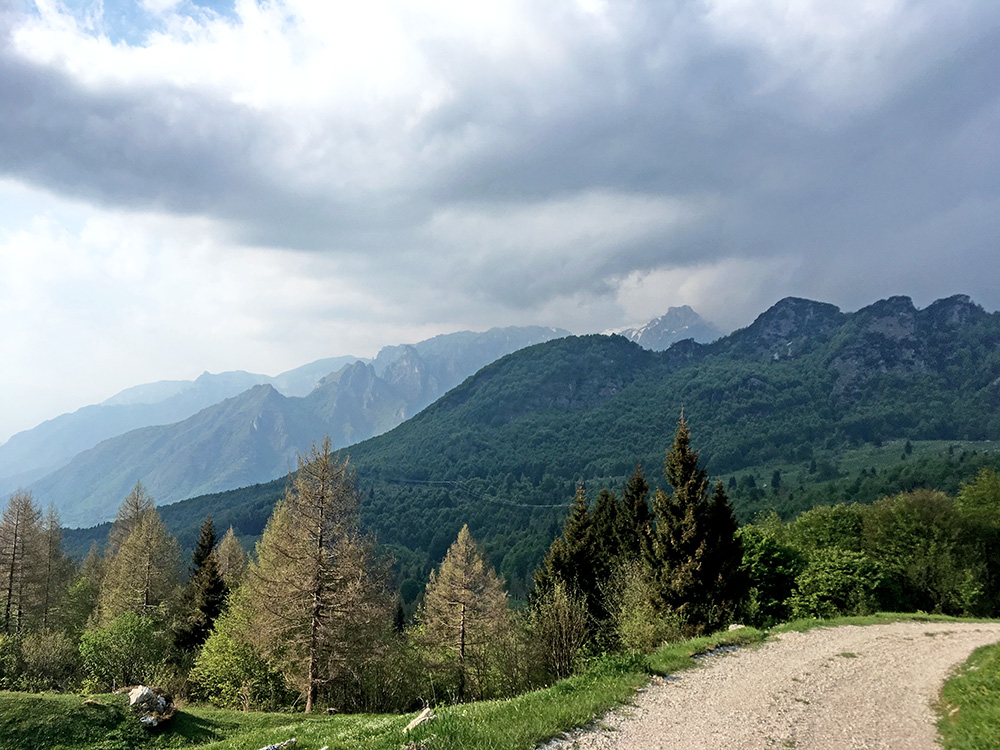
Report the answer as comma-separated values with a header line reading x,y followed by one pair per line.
x,y
970,703
68,722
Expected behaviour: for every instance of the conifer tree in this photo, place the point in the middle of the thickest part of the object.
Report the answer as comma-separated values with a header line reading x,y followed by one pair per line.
x,y
570,558
142,574
694,555
135,505
608,532
205,593
636,520
80,601
464,606
55,571
20,529
232,560
316,590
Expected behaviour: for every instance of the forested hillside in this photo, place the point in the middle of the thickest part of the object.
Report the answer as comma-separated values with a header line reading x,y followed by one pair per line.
x,y
802,386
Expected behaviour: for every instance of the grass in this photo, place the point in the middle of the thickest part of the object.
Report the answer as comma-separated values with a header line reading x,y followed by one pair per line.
x,y
880,618
71,722
970,703
673,657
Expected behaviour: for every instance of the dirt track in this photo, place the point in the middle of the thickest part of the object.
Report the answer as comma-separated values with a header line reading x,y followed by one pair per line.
x,y
845,688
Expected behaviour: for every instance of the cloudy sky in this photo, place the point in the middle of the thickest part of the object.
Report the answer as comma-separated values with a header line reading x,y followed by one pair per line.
x,y
189,186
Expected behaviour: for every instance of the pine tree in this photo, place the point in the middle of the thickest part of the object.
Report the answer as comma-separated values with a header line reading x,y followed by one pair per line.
x,y
315,590
20,530
205,593
464,606
232,560
694,554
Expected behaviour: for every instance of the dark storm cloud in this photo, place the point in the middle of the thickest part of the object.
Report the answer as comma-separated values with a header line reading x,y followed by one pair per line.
x,y
662,108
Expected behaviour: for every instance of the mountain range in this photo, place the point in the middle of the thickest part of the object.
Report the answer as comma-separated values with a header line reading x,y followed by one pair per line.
x,y
224,431
219,431
504,450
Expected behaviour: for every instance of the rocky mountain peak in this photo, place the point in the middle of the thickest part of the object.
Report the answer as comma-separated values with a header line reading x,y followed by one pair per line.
x,y
895,318
954,312
677,324
786,326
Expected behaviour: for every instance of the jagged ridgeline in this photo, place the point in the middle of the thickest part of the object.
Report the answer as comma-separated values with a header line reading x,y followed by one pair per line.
x,y
503,451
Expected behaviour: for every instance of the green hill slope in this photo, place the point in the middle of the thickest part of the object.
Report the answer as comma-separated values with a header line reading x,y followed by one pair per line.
x,y
503,451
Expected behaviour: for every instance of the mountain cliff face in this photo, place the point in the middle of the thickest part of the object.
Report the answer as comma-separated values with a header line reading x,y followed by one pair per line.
x,y
256,436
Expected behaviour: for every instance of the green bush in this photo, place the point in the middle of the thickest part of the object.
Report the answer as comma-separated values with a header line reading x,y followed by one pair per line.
x,y
637,625
50,661
230,674
128,651
558,627
836,582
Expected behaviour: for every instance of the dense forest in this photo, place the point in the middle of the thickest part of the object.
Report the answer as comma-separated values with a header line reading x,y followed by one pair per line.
x,y
827,400
314,617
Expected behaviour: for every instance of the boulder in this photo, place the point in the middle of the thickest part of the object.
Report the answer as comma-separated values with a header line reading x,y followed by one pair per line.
x,y
152,705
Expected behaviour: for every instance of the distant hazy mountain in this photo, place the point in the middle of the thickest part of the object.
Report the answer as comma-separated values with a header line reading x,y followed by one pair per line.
x,y
677,324
256,435
34,453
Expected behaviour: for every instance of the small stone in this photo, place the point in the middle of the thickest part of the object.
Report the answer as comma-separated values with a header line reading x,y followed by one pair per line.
x,y
423,716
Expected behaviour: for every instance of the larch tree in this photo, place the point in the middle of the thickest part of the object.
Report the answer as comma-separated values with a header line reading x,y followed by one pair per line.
x,y
231,559
20,530
315,589
142,574
136,504
80,601
694,555
55,570
464,607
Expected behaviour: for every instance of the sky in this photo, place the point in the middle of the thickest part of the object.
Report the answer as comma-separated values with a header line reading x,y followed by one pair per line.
x,y
190,186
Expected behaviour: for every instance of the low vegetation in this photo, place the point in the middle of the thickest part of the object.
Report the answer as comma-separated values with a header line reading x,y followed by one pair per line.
x,y
970,703
313,622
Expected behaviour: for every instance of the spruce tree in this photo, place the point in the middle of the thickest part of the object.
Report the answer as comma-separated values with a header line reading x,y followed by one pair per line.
x,y
694,555
636,520
570,559
464,606
205,593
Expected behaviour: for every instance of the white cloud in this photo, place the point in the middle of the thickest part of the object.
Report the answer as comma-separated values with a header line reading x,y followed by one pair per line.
x,y
729,292
458,165
107,299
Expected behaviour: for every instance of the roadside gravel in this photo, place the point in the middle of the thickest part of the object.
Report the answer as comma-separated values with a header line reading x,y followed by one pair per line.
x,y
852,687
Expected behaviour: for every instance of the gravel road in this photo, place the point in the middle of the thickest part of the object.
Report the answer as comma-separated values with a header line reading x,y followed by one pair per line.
x,y
844,688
